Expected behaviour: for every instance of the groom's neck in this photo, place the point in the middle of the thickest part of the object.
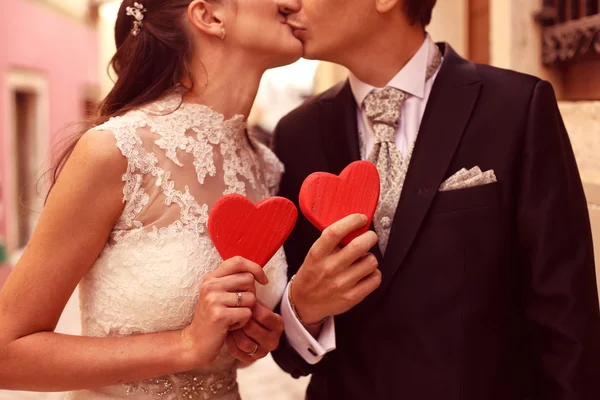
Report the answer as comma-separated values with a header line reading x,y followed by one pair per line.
x,y
383,55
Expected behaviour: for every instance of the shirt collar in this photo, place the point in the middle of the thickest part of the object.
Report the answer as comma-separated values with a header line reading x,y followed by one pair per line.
x,y
410,79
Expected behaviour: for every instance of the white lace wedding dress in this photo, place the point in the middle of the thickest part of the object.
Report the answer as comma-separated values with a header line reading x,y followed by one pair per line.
x,y
181,159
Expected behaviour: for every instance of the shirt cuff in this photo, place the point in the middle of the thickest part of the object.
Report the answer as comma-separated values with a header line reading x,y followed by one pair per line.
x,y
310,349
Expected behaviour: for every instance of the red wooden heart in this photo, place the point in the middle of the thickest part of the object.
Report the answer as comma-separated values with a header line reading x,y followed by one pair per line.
x,y
327,198
237,227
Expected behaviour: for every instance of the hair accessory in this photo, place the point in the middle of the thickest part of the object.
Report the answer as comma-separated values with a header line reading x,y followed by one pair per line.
x,y
137,12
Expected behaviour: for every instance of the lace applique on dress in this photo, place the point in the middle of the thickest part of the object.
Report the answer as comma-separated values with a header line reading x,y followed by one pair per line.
x,y
181,159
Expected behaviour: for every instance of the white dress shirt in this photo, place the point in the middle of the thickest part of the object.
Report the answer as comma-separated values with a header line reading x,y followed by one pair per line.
x,y
410,79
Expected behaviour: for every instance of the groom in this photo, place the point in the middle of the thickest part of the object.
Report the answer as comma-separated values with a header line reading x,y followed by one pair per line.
x,y
488,289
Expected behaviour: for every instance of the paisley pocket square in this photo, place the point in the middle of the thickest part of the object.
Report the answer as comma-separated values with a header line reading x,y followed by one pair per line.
x,y
466,178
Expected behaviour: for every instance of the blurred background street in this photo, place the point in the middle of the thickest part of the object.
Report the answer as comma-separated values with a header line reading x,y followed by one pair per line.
x,y
53,58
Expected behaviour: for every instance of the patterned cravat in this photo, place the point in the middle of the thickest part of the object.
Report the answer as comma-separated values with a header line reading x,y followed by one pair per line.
x,y
384,110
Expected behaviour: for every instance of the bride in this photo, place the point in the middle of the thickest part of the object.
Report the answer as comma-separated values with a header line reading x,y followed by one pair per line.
x,y
126,217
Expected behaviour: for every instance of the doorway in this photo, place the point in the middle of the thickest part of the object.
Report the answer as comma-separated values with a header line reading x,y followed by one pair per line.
x,y
26,150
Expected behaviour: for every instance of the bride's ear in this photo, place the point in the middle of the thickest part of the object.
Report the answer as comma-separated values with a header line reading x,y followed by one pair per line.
x,y
207,16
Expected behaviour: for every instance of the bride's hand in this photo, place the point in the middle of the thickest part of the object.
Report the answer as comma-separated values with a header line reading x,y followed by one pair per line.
x,y
226,299
258,337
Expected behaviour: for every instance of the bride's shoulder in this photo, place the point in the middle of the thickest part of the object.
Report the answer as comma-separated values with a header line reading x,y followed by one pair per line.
x,y
134,128
97,149
130,121
130,136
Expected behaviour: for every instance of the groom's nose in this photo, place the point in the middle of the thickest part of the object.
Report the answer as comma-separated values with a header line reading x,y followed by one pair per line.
x,y
288,7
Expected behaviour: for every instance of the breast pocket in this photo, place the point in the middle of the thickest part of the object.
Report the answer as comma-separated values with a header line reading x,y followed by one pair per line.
x,y
474,221
462,200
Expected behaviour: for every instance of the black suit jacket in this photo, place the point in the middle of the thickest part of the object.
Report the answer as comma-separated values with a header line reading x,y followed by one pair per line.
x,y
488,293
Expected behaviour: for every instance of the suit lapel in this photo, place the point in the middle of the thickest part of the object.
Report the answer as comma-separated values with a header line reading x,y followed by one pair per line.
x,y
448,110
340,134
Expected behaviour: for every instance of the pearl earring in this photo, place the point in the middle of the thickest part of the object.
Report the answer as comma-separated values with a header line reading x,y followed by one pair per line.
x,y
223,33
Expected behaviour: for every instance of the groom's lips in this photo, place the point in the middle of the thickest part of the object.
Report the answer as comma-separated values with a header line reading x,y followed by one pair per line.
x,y
298,32
296,28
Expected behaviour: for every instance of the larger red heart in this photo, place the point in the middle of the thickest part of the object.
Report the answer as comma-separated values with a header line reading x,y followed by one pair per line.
x,y
327,198
237,227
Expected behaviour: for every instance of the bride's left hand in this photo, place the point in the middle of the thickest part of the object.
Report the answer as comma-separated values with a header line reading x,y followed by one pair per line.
x,y
258,337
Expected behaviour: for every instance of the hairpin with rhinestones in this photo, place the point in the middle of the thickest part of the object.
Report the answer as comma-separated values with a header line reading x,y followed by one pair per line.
x,y
137,12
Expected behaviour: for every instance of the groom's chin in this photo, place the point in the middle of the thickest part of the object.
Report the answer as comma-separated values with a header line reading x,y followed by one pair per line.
x,y
312,52
305,53
307,56
309,53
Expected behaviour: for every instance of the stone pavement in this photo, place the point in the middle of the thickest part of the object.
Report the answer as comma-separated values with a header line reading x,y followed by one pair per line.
x,y
261,381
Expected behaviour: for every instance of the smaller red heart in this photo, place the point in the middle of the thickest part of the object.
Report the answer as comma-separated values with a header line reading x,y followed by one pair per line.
x,y
327,198
237,227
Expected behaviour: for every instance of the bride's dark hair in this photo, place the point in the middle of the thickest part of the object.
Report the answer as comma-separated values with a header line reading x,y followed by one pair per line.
x,y
146,65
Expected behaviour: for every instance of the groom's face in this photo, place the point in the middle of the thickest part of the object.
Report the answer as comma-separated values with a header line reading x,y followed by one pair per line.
x,y
329,28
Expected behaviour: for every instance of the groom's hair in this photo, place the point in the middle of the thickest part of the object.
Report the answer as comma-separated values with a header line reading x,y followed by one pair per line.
x,y
419,11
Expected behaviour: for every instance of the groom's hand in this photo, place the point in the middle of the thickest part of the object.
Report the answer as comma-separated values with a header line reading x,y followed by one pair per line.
x,y
333,280
258,337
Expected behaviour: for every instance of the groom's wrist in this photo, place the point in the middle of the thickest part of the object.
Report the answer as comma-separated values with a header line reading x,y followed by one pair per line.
x,y
311,323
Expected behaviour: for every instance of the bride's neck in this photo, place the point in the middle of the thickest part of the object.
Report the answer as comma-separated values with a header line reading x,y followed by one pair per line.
x,y
226,84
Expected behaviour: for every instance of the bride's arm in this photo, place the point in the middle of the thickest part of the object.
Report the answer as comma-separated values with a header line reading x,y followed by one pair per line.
x,y
73,229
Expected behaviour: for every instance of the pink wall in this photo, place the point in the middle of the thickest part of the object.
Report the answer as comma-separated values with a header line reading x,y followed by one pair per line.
x,y
37,38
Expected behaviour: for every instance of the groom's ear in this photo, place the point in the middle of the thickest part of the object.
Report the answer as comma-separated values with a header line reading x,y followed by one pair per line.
x,y
384,6
207,16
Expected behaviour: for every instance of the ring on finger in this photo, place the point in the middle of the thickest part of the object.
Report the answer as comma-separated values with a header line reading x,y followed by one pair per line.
x,y
238,299
254,351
